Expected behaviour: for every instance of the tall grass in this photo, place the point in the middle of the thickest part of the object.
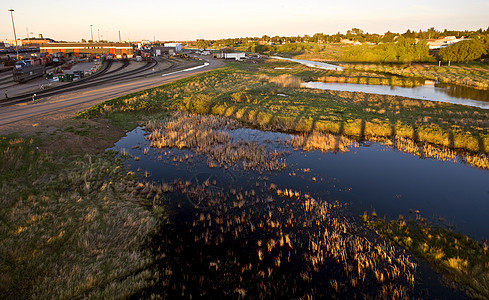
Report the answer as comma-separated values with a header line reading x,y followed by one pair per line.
x,y
69,228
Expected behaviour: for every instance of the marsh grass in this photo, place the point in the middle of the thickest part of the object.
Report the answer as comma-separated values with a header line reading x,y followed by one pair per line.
x,y
465,260
68,226
212,136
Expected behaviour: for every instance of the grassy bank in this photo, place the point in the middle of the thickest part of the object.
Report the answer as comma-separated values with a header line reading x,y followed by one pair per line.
x,y
474,75
463,259
70,225
261,95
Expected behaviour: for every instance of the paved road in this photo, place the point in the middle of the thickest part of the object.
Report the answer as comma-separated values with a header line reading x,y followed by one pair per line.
x,y
73,102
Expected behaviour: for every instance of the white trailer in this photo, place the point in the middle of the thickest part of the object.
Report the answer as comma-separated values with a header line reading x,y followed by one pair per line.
x,y
236,56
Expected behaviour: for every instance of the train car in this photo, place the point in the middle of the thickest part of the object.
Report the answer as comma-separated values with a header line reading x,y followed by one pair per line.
x,y
46,60
25,70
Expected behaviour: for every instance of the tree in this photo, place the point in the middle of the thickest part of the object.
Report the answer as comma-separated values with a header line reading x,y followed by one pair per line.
x,y
276,39
432,33
261,48
467,50
202,44
388,37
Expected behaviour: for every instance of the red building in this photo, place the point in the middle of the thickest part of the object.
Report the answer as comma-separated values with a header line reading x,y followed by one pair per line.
x,y
118,50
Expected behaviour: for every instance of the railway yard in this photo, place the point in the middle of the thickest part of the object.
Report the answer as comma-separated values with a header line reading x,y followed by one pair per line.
x,y
112,78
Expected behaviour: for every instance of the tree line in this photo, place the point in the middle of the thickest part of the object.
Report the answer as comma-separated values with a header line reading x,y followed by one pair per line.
x,y
410,46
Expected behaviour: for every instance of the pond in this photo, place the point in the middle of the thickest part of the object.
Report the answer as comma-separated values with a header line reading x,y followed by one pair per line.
x,y
276,221
439,92
371,177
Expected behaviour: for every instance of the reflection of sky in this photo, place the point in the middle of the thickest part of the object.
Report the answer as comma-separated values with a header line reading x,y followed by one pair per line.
x,y
371,177
212,19
312,64
425,92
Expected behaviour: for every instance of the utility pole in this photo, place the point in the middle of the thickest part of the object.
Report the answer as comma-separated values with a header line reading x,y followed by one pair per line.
x,y
91,33
119,36
15,35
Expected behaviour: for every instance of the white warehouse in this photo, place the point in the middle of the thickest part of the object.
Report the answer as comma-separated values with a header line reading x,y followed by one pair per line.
x,y
177,46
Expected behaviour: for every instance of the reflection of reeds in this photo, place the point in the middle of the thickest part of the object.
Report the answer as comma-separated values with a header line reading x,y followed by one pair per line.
x,y
321,141
210,135
392,81
329,142
256,238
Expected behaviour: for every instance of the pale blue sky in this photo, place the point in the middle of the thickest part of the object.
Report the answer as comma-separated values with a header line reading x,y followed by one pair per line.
x,y
192,19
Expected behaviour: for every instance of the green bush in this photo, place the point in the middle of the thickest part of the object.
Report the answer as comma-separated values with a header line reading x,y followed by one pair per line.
x,y
199,103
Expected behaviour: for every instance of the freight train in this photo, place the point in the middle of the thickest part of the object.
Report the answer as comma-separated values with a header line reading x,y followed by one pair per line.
x,y
28,69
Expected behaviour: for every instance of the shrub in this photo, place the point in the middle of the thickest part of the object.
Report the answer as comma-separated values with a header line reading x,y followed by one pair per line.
x,y
200,103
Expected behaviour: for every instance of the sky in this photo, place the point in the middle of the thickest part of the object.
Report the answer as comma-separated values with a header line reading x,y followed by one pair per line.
x,y
214,19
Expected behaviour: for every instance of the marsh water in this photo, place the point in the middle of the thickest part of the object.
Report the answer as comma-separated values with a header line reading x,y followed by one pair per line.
x,y
217,246
371,177
438,92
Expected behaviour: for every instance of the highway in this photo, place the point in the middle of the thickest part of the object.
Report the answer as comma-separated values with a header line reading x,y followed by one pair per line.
x,y
15,117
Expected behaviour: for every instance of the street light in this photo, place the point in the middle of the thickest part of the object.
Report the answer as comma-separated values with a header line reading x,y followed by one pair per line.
x,y
15,35
91,32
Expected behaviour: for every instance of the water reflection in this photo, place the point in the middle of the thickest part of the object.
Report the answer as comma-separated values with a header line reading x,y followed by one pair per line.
x,y
370,177
464,92
313,64
237,231
452,94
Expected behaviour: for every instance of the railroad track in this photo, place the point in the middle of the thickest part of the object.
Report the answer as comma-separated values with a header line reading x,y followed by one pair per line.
x,y
8,79
94,80
100,78
125,63
56,90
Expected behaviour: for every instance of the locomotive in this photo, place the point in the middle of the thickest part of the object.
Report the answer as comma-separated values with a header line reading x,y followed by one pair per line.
x,y
28,69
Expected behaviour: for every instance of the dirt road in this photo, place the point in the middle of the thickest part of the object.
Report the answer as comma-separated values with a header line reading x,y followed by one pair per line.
x,y
28,116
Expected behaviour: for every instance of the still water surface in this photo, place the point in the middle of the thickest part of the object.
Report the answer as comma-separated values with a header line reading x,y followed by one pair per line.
x,y
439,93
372,177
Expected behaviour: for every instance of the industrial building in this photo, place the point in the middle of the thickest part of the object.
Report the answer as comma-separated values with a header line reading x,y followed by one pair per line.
x,y
167,49
28,42
118,50
162,50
